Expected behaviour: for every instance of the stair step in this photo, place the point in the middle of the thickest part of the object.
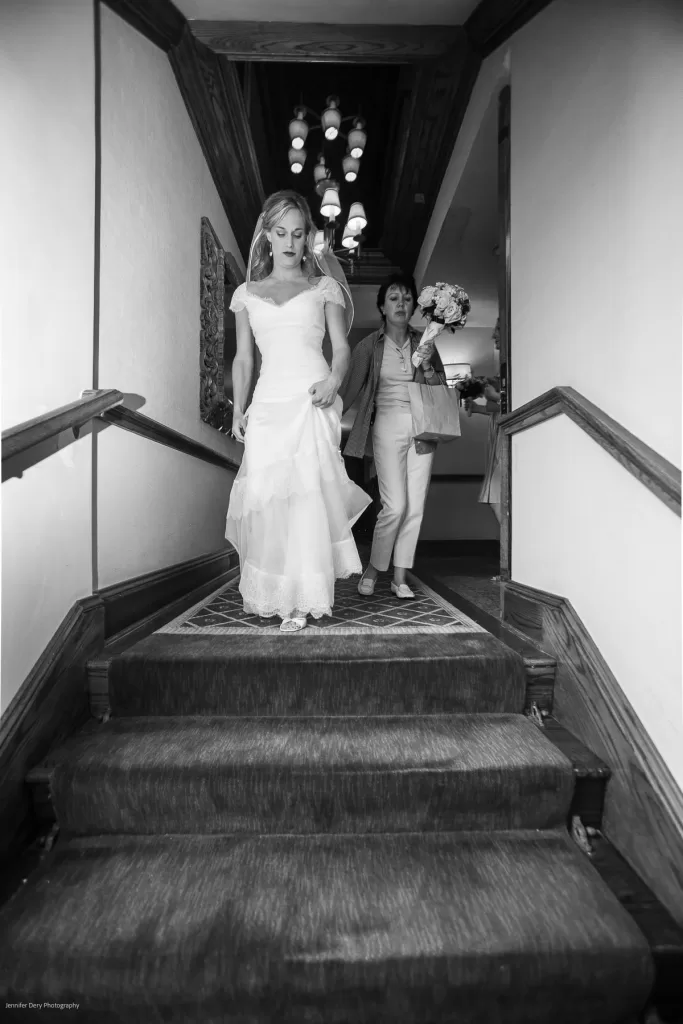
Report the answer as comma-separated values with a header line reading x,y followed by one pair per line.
x,y
302,775
170,674
504,927
590,772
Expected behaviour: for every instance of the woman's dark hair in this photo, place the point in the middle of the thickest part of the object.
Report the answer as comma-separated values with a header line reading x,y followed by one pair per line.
x,y
404,280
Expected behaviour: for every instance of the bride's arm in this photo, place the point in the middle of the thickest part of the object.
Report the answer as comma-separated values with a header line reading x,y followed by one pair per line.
x,y
325,391
242,371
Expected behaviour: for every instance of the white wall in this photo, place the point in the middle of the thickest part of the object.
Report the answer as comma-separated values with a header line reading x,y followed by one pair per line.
x,y
586,529
155,506
597,265
597,209
47,197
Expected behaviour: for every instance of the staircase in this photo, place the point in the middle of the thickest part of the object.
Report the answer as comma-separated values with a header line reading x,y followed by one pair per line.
x,y
313,829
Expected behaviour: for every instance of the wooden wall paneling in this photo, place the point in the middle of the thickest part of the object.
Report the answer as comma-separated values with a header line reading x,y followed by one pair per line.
x,y
494,21
643,814
504,247
136,599
48,707
442,93
210,87
160,21
340,44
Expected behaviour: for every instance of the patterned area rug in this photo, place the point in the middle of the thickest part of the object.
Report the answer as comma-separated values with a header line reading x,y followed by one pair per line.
x,y
381,614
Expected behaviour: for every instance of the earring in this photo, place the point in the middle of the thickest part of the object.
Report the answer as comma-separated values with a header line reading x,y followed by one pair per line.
x,y
270,250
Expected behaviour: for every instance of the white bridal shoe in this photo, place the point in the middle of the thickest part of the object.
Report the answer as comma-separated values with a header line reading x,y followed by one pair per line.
x,y
402,590
294,624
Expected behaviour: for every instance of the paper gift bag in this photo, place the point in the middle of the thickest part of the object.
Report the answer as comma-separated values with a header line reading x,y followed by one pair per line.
x,y
435,411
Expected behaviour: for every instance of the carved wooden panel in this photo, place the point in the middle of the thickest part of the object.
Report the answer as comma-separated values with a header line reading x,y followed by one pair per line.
x,y
219,274
287,41
210,87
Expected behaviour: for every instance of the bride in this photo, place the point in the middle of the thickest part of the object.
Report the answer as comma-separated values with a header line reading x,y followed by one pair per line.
x,y
292,505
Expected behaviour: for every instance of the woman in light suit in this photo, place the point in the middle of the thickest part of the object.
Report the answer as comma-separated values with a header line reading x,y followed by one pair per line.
x,y
379,374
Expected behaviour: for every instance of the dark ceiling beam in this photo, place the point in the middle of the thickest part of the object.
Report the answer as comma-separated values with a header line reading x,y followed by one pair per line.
x,y
493,21
213,96
433,115
159,20
364,44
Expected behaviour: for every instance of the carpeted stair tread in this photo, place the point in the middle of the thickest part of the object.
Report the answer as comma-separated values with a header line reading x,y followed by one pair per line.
x,y
316,675
395,773
478,928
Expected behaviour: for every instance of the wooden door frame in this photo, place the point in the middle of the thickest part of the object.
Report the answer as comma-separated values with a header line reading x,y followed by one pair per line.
x,y
504,278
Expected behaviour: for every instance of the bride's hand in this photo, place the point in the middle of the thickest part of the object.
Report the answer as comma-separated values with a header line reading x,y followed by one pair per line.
x,y
324,393
239,426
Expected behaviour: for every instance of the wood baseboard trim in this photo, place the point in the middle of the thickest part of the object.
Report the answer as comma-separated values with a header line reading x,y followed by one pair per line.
x,y
643,815
98,667
49,706
54,699
130,602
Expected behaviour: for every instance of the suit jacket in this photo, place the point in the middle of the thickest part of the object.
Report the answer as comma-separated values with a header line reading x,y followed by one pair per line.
x,y
362,379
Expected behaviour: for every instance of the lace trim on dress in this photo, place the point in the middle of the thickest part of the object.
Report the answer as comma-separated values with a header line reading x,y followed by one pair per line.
x,y
267,595
237,302
330,291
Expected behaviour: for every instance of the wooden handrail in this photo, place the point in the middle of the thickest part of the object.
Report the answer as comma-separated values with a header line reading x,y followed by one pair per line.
x,y
36,439
658,474
20,439
145,426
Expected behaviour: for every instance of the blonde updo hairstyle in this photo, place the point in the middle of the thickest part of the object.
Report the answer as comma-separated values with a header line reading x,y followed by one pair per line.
x,y
274,209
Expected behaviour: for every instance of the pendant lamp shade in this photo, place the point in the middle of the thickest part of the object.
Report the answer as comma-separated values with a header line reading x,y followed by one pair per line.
x,y
348,241
319,241
297,159
298,131
331,119
320,171
351,167
357,139
330,206
357,219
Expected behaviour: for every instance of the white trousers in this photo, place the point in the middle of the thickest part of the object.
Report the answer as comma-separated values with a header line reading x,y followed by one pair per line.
x,y
403,478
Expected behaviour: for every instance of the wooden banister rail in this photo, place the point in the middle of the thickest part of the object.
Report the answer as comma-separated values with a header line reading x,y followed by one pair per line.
x,y
21,439
36,439
658,474
145,426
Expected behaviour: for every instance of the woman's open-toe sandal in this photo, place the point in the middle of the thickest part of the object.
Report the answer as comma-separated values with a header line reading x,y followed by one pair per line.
x,y
294,624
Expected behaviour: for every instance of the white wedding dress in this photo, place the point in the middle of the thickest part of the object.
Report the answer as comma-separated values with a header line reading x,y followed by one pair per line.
x,y
292,504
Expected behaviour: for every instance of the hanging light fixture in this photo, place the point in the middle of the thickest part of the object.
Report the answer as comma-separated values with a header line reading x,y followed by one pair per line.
x,y
348,240
297,159
330,206
319,241
357,219
321,175
298,128
351,166
331,119
357,138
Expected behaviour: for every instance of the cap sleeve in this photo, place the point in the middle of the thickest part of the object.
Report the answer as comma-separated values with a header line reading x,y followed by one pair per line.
x,y
238,302
332,291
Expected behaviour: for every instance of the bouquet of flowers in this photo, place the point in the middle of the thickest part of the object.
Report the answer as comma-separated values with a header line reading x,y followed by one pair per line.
x,y
471,387
443,305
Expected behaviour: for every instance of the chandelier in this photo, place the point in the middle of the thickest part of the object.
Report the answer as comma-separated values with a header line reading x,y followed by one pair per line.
x,y
330,122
